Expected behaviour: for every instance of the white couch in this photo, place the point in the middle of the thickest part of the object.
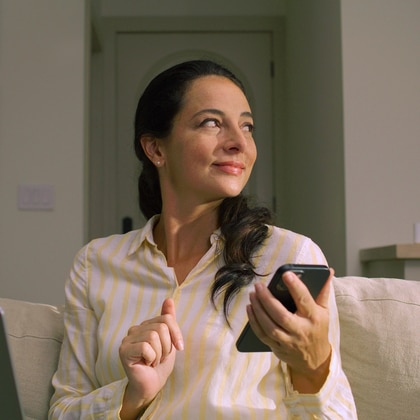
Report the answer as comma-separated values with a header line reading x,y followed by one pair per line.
x,y
380,347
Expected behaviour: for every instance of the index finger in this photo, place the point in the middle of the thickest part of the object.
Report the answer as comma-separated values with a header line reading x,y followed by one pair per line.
x,y
168,308
324,295
304,301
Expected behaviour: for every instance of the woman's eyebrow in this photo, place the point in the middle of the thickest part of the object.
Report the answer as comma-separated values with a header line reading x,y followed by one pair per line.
x,y
247,114
209,111
219,112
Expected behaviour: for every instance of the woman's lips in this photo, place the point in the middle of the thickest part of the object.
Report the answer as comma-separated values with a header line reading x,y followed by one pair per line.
x,y
231,167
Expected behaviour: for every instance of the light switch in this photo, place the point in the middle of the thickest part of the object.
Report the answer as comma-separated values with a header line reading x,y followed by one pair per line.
x,y
36,197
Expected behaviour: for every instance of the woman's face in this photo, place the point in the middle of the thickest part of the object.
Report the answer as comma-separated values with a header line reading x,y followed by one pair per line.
x,y
210,152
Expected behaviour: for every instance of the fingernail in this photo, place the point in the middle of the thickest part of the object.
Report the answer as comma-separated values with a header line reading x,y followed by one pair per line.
x,y
258,286
180,345
252,296
288,276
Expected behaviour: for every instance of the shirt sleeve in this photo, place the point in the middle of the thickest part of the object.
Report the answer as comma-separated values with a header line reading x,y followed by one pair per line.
x,y
335,399
78,394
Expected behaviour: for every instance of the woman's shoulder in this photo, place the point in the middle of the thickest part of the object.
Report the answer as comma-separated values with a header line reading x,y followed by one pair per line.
x,y
115,244
293,247
118,243
276,233
116,239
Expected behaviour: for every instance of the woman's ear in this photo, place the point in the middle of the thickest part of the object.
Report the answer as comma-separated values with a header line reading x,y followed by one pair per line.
x,y
152,149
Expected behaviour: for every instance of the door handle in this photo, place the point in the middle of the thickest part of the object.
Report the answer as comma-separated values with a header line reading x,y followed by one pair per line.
x,y
127,224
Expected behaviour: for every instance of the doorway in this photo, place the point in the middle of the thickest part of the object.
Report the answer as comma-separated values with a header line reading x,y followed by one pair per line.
x,y
130,60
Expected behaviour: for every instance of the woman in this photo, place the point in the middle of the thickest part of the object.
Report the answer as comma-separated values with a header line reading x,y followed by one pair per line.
x,y
182,285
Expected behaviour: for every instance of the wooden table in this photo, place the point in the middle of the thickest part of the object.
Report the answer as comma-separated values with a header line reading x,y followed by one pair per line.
x,y
396,261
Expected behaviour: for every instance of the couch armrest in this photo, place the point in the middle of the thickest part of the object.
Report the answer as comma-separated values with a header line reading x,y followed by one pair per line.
x,y
35,335
380,342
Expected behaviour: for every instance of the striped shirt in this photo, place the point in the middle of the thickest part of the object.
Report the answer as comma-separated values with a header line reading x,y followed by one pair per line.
x,y
122,280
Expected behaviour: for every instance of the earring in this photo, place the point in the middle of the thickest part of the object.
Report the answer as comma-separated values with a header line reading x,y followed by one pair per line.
x,y
158,163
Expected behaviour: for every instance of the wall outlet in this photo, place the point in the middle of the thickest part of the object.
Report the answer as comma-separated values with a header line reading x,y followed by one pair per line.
x,y
36,197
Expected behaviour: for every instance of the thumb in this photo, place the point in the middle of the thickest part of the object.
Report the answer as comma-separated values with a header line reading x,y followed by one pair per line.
x,y
324,295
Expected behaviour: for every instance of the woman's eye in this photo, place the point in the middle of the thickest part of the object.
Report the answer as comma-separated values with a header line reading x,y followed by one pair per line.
x,y
249,127
210,122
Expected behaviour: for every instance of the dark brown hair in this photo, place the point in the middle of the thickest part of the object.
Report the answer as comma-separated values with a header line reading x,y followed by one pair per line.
x,y
243,228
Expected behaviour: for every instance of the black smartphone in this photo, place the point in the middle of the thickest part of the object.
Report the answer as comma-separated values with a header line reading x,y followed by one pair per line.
x,y
314,277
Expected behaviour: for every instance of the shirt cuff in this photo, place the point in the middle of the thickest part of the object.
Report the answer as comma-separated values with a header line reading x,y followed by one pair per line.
x,y
314,402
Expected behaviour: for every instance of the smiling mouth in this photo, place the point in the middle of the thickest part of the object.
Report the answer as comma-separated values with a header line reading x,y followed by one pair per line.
x,y
234,168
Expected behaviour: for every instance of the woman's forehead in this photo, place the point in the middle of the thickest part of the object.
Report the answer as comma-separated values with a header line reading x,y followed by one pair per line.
x,y
213,90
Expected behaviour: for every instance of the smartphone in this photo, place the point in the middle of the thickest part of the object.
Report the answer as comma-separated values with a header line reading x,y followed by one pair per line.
x,y
314,277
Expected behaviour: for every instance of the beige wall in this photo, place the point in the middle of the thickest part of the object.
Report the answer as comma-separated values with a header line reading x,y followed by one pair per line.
x,y
313,153
353,115
42,141
369,121
381,92
123,8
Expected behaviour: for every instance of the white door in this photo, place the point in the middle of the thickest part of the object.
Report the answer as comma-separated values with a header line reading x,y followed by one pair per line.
x,y
140,56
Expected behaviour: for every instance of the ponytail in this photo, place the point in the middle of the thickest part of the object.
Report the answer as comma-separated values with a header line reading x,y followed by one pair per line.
x,y
244,229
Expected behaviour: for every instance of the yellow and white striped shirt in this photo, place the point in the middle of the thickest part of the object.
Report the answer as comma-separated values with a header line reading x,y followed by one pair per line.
x,y
122,280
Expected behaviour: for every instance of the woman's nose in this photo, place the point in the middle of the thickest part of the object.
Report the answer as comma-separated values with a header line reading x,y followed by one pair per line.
x,y
235,139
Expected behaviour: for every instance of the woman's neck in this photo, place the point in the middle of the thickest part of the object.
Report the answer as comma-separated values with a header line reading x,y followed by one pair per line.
x,y
184,239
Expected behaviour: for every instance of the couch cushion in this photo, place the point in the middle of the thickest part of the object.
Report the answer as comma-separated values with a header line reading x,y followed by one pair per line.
x,y
380,345
35,334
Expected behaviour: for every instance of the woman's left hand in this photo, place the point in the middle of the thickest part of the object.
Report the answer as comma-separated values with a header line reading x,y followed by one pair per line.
x,y
300,339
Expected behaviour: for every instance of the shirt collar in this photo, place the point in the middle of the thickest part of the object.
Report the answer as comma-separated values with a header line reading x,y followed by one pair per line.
x,y
145,234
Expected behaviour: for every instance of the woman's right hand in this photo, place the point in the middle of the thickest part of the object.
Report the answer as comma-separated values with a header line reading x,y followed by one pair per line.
x,y
148,356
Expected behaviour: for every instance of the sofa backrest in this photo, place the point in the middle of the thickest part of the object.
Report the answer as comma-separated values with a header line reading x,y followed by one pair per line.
x,y
380,345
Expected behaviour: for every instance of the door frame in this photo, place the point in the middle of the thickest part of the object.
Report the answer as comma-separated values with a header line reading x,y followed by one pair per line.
x,y
102,167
